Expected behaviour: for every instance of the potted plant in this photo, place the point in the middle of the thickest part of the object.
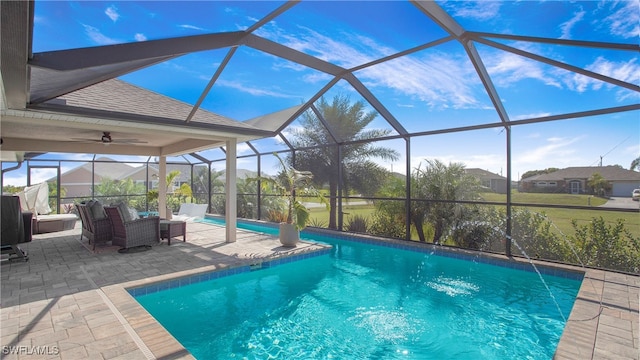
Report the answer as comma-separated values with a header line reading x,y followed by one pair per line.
x,y
288,183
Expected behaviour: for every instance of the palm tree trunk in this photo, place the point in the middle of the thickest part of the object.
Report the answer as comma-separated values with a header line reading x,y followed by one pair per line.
x,y
333,204
438,230
419,224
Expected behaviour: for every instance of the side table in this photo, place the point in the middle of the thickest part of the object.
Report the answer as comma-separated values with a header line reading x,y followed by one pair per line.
x,y
173,228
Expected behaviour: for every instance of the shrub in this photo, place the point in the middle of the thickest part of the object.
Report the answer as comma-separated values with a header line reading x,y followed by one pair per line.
x,y
357,223
387,225
607,246
315,222
277,216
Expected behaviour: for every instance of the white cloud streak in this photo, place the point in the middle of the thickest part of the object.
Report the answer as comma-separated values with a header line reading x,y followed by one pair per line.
x,y
112,13
628,71
624,22
140,37
557,149
97,37
438,79
191,27
567,26
479,10
507,69
253,90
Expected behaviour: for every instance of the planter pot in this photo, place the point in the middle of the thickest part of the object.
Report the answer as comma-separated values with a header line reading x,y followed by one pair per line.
x,y
289,235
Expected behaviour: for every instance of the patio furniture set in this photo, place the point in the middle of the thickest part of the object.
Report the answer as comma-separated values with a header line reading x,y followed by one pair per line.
x,y
124,228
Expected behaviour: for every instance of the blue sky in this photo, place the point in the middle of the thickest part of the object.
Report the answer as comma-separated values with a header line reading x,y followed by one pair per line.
x,y
429,90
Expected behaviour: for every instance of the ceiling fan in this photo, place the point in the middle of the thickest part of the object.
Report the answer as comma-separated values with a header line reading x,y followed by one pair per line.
x,y
107,139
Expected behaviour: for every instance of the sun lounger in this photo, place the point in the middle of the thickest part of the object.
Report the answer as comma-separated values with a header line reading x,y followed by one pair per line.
x,y
190,212
35,199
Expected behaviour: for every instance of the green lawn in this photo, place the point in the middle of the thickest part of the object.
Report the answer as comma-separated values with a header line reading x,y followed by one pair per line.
x,y
561,218
555,199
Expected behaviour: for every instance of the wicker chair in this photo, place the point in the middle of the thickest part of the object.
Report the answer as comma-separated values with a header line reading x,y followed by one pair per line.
x,y
97,230
132,233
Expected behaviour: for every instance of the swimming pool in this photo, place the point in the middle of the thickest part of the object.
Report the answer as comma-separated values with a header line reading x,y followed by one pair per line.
x,y
362,301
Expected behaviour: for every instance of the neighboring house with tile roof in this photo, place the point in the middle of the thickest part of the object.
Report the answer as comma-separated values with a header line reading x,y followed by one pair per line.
x,y
574,180
77,181
495,182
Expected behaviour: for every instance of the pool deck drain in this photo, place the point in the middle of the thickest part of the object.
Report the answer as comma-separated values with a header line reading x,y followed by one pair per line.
x,y
69,303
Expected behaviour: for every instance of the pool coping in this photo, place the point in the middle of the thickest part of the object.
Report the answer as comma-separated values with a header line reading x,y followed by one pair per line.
x,y
579,332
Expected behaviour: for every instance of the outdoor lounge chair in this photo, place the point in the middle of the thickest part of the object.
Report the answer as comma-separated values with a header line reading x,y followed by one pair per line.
x,y
189,212
129,232
16,228
96,226
35,199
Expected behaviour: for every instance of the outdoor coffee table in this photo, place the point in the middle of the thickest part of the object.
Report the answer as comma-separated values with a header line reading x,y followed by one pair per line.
x,y
173,228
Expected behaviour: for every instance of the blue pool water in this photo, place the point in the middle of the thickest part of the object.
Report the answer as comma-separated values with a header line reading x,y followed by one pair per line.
x,y
363,301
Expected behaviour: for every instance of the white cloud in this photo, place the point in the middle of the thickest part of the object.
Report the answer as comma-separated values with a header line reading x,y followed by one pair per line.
x,y
191,27
558,150
97,37
507,68
243,148
140,37
479,10
628,71
316,77
530,116
438,79
112,13
253,90
625,21
567,26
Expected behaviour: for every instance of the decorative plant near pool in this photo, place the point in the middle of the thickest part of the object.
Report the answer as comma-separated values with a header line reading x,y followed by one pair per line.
x,y
288,184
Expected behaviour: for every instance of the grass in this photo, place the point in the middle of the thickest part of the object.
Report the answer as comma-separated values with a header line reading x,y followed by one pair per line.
x,y
561,218
552,199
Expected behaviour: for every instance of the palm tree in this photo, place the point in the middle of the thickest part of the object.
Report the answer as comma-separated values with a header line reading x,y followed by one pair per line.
x,y
347,122
288,184
442,185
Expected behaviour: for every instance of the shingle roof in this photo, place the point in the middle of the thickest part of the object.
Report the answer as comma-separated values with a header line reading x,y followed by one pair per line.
x,y
611,173
121,98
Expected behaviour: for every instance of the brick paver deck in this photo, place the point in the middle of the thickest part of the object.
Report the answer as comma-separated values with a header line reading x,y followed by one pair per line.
x,y
69,303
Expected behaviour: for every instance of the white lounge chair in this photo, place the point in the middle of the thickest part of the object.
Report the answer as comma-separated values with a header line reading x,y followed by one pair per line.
x,y
35,199
190,212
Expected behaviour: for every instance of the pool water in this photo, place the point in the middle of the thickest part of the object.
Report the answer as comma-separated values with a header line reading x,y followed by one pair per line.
x,y
363,301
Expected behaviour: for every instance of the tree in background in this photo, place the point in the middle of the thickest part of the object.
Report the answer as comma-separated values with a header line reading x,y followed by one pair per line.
x,y
389,219
598,184
440,185
174,196
538,172
348,122
635,164
114,191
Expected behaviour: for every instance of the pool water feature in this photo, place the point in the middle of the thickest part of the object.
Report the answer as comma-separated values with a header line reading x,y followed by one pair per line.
x,y
363,301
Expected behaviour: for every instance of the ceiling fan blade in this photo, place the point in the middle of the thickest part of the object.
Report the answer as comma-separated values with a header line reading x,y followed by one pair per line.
x,y
84,140
128,141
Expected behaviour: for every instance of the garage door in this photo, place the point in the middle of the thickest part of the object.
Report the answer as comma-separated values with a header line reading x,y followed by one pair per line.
x,y
624,189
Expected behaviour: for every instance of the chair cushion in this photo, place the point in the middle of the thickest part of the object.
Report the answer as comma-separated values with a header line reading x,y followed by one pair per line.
x,y
133,213
97,210
124,212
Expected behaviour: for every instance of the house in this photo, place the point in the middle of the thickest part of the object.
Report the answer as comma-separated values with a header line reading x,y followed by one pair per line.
x,y
77,181
574,180
489,180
